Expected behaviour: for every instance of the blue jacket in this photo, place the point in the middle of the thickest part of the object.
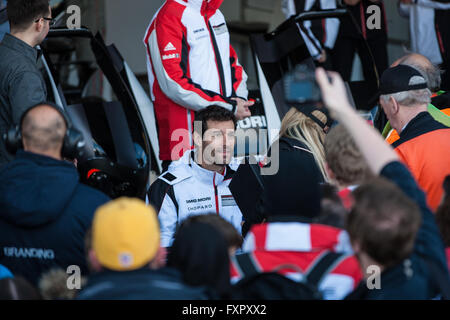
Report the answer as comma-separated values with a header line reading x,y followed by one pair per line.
x,y
412,278
141,284
44,214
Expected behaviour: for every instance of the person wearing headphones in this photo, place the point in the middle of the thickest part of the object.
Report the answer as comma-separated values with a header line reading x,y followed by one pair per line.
x,y
45,210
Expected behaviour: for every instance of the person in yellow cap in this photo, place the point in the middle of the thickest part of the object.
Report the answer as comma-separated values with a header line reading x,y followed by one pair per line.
x,y
126,254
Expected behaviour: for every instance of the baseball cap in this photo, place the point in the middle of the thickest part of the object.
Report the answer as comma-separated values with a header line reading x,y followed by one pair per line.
x,y
398,79
401,78
125,234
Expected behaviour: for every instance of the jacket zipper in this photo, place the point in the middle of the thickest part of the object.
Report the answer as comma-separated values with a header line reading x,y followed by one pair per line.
x,y
216,194
216,55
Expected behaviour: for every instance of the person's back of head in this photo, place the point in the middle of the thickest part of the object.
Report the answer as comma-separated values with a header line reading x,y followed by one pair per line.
x,y
232,236
383,223
344,158
32,16
404,94
332,211
431,72
125,236
17,289
310,128
200,252
406,84
43,129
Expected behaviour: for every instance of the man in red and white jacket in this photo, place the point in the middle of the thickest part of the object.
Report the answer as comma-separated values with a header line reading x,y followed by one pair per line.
x,y
191,65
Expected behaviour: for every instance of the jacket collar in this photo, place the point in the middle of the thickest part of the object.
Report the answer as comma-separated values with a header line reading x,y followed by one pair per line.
x,y
41,159
205,175
202,174
414,122
205,7
18,45
294,143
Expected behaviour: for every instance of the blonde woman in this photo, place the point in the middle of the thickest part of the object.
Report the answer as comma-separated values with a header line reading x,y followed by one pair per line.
x,y
301,158
304,129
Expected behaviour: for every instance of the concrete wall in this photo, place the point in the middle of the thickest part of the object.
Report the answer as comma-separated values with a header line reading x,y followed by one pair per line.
x,y
126,23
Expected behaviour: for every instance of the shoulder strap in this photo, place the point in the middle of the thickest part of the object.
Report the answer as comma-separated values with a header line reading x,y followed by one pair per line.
x,y
247,265
326,262
322,266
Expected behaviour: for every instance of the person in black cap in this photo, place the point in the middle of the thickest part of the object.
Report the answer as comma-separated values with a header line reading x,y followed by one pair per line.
x,y
424,144
392,230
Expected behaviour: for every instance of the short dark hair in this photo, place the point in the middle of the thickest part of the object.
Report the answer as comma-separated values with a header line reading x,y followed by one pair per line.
x,y
232,236
21,13
214,113
384,221
332,211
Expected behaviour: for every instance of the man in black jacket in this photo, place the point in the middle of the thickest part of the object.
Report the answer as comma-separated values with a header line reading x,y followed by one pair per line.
x,y
44,209
126,254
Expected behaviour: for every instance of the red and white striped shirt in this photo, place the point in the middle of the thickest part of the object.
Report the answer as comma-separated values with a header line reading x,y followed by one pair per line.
x,y
279,243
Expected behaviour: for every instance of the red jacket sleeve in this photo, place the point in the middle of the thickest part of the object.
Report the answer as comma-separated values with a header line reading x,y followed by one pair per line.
x,y
168,51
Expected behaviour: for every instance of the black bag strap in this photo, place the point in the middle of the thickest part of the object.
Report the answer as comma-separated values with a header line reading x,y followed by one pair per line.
x,y
322,266
247,265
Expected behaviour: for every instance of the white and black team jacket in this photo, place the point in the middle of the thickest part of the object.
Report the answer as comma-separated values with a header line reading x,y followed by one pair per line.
x,y
188,189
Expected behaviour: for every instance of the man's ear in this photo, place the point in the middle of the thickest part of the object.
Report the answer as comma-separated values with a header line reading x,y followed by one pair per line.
x,y
197,139
93,260
393,105
38,26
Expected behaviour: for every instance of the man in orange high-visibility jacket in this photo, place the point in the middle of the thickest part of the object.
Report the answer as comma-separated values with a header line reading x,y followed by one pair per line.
x,y
439,108
424,144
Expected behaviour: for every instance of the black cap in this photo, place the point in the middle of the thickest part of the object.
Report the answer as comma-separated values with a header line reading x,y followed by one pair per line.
x,y
397,79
